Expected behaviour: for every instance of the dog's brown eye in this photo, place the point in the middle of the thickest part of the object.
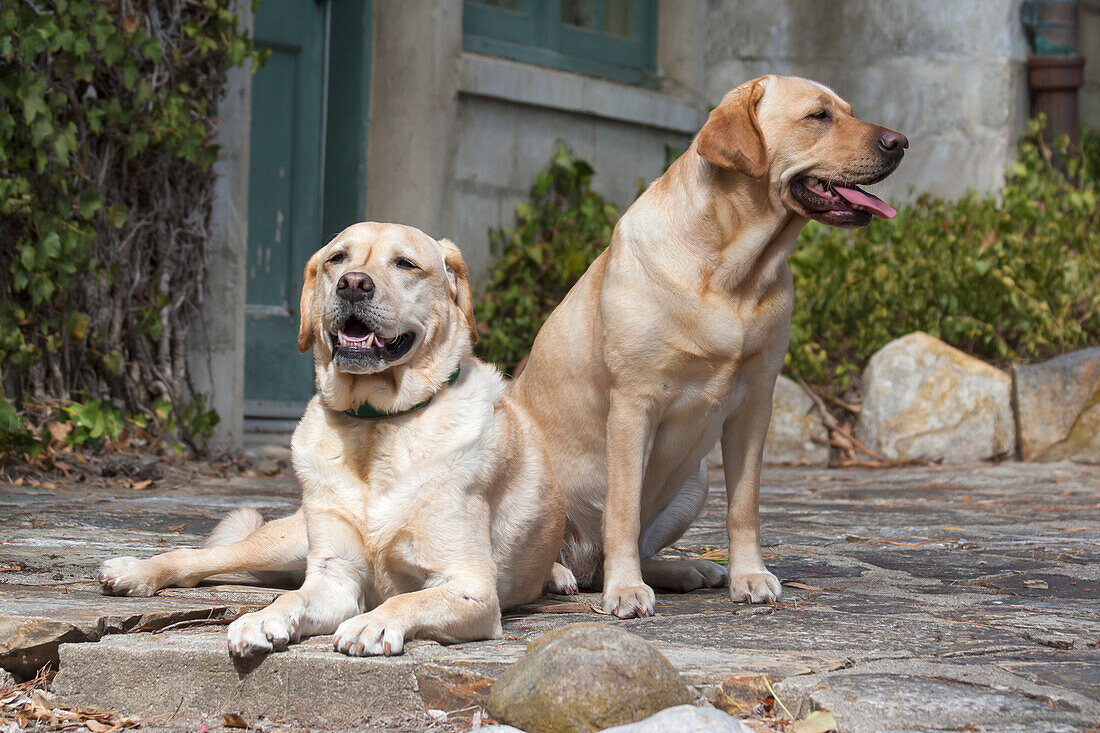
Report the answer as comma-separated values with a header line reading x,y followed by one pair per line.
x,y
821,114
336,258
405,264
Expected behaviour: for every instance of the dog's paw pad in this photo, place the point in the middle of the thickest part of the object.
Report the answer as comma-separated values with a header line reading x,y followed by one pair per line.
x,y
364,636
631,601
758,587
128,576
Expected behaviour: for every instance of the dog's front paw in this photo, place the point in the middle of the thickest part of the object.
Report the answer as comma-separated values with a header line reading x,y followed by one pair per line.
x,y
633,600
755,587
261,632
369,635
562,581
128,576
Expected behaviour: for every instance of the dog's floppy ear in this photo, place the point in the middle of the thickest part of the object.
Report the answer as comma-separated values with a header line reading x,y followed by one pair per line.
x,y
459,278
305,324
731,138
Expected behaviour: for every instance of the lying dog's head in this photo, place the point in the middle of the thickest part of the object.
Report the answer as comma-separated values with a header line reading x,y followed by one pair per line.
x,y
802,140
388,313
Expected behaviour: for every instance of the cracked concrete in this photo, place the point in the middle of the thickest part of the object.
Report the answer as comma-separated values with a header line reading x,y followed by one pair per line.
x,y
920,598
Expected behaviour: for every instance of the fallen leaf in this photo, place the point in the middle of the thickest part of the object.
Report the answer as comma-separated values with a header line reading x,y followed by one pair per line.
x,y
819,721
59,431
803,586
235,720
10,568
141,485
175,528
96,727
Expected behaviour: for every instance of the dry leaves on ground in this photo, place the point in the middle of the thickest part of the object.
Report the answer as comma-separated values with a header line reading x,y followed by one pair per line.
x,y
30,705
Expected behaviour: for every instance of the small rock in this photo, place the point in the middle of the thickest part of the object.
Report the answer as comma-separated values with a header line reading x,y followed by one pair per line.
x,y
6,678
1051,398
924,400
795,423
586,677
685,719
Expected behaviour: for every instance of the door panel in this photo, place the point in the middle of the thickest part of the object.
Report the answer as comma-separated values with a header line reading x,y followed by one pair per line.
x,y
285,199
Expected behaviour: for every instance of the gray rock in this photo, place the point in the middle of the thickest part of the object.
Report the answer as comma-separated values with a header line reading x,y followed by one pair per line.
x,y
1083,442
795,423
586,677
1050,398
6,678
685,719
924,400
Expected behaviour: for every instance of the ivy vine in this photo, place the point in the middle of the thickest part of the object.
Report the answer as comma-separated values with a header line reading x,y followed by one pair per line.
x,y
107,112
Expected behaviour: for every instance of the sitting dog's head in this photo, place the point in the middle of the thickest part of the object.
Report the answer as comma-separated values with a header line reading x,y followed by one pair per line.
x,y
388,313
801,139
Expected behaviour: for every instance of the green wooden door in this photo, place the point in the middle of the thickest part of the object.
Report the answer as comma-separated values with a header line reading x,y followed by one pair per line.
x,y
319,51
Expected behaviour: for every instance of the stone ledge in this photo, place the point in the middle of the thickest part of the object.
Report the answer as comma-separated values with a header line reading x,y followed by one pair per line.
x,y
485,76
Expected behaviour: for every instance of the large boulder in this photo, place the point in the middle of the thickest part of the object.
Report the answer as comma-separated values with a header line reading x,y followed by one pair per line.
x,y
1057,406
585,677
795,432
924,400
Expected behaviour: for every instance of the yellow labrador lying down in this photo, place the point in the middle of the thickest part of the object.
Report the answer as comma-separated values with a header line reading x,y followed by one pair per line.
x,y
676,333
426,499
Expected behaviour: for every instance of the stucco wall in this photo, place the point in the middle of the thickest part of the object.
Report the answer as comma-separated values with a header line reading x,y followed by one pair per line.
x,y
503,141
949,74
216,339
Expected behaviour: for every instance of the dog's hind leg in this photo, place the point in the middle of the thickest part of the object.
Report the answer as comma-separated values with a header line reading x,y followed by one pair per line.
x,y
679,575
240,543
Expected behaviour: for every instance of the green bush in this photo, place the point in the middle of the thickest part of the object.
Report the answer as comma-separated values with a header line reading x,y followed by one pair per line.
x,y
107,112
1014,279
557,235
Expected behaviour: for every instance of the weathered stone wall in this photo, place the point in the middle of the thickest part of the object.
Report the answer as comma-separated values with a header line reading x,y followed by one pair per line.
x,y
949,74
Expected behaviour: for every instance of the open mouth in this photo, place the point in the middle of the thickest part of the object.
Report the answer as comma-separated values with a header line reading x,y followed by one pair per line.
x,y
841,205
358,342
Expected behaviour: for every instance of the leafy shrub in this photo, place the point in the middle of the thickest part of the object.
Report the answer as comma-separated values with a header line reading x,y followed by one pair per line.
x,y
1011,280
1008,278
107,110
557,236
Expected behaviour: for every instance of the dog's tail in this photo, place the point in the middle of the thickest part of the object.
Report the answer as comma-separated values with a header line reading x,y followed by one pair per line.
x,y
238,525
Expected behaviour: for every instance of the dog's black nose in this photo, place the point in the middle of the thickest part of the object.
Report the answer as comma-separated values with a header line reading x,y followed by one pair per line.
x,y
893,142
354,286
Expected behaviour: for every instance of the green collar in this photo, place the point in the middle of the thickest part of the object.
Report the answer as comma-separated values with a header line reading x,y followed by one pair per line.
x,y
366,412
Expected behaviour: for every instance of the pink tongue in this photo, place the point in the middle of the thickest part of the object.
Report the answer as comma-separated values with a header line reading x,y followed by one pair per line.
x,y
872,203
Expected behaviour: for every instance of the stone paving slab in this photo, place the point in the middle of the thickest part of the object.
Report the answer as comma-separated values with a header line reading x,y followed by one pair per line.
x,y
923,598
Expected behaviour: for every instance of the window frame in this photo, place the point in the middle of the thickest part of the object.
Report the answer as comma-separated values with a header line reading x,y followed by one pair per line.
x,y
536,35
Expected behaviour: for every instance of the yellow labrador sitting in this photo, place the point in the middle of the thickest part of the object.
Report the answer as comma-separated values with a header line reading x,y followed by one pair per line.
x,y
426,498
676,333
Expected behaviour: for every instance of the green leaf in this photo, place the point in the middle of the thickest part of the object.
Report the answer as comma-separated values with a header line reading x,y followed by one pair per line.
x,y
90,202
